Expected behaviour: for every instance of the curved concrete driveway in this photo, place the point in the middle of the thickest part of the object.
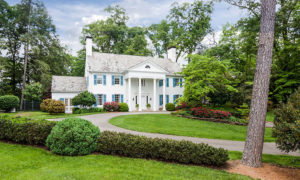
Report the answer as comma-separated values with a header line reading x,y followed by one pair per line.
x,y
102,121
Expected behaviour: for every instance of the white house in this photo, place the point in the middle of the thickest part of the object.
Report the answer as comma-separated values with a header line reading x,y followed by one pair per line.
x,y
123,78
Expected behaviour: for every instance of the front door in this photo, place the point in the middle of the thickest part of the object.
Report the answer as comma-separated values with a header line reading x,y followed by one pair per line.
x,y
68,104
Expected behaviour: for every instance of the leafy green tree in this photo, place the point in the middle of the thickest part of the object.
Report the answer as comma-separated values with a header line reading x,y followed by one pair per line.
x,y
85,99
114,36
33,92
78,64
204,75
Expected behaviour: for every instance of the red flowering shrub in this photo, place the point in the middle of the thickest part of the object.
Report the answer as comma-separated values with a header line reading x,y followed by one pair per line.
x,y
183,105
111,106
210,113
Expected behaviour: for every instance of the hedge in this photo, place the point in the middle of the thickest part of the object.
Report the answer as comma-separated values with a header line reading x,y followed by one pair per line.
x,y
24,130
170,107
161,149
8,102
85,110
203,112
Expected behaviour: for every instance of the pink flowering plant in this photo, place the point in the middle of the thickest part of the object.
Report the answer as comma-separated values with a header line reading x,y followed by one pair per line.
x,y
182,105
210,113
111,106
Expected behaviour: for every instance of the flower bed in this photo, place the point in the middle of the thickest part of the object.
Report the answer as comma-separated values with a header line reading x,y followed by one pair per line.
x,y
210,113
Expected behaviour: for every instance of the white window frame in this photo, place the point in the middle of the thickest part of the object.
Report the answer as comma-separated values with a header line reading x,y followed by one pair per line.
x,y
117,79
99,80
99,99
177,83
118,98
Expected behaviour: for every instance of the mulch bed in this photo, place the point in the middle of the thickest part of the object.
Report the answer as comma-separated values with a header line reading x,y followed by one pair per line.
x,y
214,120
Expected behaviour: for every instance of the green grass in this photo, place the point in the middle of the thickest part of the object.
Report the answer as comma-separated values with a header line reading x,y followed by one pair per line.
x,y
168,124
39,115
25,162
270,116
279,160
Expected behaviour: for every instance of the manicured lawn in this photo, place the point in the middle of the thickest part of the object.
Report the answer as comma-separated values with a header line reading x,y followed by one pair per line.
x,y
270,116
44,115
168,124
25,162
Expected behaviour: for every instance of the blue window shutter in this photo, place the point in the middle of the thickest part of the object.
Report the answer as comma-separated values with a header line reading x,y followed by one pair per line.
x,y
121,80
167,82
160,99
174,98
180,80
122,98
104,79
167,98
113,98
104,98
160,83
174,82
112,80
95,79
62,99
96,100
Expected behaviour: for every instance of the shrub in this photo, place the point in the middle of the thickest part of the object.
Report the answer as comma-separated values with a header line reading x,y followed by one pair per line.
x,y
86,110
8,102
85,99
137,106
182,105
24,130
148,105
44,104
161,149
73,136
210,113
235,119
55,107
244,110
286,128
124,107
111,106
170,107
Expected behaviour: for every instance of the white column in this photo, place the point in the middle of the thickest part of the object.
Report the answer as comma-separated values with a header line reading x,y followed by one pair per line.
x,y
164,94
140,94
154,95
129,94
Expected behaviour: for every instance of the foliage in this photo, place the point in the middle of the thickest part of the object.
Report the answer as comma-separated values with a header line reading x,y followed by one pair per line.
x,y
287,124
111,106
203,75
123,107
137,105
114,36
170,107
85,99
210,113
86,110
33,92
44,105
24,130
235,119
182,105
73,136
55,107
244,110
161,149
8,102
148,105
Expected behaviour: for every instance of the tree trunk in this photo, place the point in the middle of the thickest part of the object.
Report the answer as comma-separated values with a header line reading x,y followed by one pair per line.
x,y
255,135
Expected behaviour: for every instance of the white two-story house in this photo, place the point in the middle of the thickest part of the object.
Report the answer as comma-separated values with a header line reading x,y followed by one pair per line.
x,y
135,80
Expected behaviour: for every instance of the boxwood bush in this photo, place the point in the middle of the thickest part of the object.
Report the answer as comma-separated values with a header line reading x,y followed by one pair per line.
x,y
124,107
24,130
8,102
170,107
160,149
73,136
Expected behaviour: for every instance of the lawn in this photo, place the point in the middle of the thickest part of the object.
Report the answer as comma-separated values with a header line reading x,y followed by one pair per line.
x,y
168,124
38,115
26,162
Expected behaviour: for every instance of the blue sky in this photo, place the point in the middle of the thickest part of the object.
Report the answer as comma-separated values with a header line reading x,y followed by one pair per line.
x,y
70,16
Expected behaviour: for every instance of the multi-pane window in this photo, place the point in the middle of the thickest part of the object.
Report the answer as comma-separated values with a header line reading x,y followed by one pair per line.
x,y
100,99
176,96
99,80
117,79
176,81
117,98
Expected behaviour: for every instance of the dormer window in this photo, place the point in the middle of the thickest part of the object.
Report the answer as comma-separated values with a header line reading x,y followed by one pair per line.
x,y
147,67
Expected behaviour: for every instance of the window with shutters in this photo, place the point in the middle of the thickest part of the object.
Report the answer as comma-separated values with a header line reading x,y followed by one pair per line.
x,y
99,80
176,81
100,99
117,79
117,98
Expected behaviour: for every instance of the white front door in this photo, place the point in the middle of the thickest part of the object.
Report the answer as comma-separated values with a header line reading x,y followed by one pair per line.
x,y
68,104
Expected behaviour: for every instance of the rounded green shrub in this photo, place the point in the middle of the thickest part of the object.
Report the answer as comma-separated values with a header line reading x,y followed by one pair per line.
x,y
8,102
55,107
73,136
124,107
84,99
170,107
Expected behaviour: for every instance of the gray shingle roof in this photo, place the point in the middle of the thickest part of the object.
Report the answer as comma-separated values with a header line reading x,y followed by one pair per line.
x,y
68,84
104,62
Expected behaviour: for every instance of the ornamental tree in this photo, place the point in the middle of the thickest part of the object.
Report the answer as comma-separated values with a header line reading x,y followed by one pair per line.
x,y
84,99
